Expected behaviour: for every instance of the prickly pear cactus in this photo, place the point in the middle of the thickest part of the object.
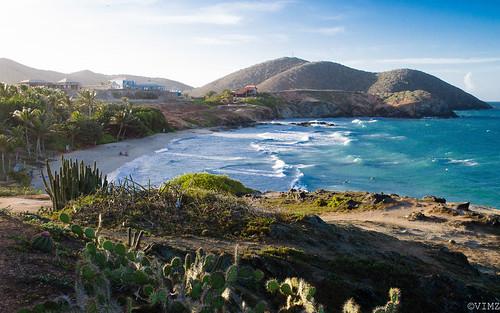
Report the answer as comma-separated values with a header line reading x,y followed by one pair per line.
x,y
43,242
392,306
298,294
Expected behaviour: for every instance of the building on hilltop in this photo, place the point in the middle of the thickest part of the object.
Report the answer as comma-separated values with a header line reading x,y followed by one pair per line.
x,y
126,84
120,83
247,91
66,84
37,83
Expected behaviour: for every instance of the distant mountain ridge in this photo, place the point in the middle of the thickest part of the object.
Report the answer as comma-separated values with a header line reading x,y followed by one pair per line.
x,y
296,74
12,72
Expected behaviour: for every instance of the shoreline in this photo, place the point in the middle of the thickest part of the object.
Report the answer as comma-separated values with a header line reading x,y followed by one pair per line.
x,y
108,156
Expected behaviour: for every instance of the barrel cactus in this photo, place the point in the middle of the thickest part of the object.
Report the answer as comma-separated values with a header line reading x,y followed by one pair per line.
x,y
43,242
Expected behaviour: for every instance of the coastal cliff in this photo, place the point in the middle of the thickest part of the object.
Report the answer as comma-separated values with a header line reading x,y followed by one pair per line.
x,y
305,104
334,103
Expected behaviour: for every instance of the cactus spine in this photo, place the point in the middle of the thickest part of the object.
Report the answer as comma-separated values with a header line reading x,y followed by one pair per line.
x,y
73,180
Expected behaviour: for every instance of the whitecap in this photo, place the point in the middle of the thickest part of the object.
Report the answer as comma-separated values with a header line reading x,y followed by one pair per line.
x,y
287,137
206,157
398,137
250,172
353,159
279,166
295,183
362,122
340,138
234,135
465,162
161,150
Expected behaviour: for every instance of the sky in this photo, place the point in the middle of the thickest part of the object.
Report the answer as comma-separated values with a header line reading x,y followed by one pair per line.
x,y
196,42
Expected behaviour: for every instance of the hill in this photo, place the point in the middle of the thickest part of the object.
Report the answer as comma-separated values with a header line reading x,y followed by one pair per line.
x,y
252,75
411,80
320,76
12,72
297,74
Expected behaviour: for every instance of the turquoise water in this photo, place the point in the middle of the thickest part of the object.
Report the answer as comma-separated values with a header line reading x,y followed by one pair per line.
x,y
454,158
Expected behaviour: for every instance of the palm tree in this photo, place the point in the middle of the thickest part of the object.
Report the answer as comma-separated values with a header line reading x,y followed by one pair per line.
x,y
26,117
4,147
73,126
16,139
123,119
87,98
41,128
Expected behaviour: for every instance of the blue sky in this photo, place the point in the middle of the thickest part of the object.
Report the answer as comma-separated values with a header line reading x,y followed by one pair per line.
x,y
198,41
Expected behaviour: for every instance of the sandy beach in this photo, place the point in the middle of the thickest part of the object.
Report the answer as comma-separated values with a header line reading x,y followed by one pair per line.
x,y
108,156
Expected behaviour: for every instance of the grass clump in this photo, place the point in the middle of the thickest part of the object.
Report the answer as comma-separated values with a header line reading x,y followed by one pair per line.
x,y
206,181
282,252
259,226
320,202
11,191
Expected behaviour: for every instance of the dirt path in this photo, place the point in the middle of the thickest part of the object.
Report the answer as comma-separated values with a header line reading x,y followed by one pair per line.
x,y
25,203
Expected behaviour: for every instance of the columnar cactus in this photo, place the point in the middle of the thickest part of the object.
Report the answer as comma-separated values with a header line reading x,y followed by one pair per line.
x,y
72,181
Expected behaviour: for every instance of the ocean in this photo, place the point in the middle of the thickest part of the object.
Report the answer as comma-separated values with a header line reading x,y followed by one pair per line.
x,y
458,159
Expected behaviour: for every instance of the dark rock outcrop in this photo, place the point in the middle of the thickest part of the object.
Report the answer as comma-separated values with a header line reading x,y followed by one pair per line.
x,y
334,103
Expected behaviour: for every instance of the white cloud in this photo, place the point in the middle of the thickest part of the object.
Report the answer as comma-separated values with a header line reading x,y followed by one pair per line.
x,y
213,18
328,31
225,40
255,6
227,13
468,82
438,61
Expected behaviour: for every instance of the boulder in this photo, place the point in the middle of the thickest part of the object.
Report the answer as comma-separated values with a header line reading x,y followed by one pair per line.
x,y
463,206
417,216
434,199
380,197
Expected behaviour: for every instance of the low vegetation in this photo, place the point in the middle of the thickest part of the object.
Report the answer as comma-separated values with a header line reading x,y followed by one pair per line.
x,y
217,183
117,276
10,191
300,202
144,254
114,276
226,97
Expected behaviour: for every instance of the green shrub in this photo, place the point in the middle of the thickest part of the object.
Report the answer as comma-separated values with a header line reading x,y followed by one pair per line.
x,y
218,183
106,138
21,177
337,201
320,202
